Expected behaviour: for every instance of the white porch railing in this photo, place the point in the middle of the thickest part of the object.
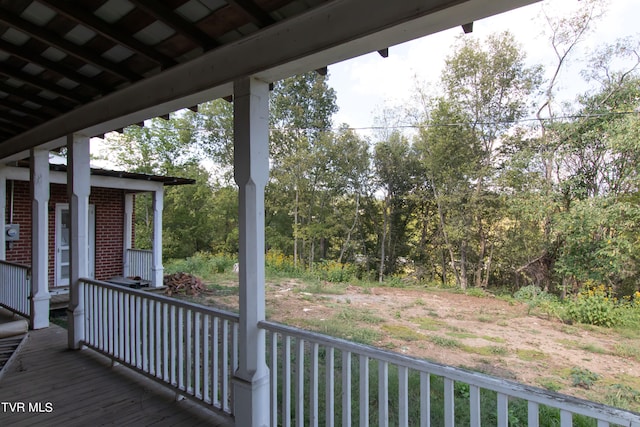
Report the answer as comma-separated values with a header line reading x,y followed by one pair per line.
x,y
15,287
189,347
140,262
377,387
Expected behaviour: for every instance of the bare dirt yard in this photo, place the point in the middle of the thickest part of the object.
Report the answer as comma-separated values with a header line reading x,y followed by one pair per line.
x,y
484,334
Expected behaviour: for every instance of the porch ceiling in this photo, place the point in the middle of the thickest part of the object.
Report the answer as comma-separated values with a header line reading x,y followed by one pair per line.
x,y
93,66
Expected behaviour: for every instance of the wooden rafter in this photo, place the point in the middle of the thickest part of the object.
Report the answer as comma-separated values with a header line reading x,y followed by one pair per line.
x,y
57,67
75,12
175,21
30,111
54,105
41,83
52,39
11,128
19,121
254,12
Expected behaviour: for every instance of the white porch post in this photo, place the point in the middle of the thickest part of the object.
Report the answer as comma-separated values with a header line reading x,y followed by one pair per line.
x,y
3,213
39,182
78,187
128,233
157,270
251,170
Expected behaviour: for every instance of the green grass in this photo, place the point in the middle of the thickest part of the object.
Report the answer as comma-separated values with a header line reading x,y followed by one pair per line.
x,y
490,350
402,332
347,330
352,314
628,350
429,323
445,342
530,355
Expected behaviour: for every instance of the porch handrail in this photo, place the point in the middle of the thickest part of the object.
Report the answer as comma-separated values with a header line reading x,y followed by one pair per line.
x,y
307,344
140,263
15,287
189,347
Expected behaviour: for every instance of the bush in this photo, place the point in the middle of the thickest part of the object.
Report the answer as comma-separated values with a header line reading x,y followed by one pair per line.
x,y
202,264
594,305
335,272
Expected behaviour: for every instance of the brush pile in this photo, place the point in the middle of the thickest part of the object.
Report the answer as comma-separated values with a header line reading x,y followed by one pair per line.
x,y
183,283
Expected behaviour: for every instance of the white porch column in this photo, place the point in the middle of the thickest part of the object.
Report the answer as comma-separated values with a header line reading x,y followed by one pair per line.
x,y
157,270
3,213
251,170
78,188
128,233
39,182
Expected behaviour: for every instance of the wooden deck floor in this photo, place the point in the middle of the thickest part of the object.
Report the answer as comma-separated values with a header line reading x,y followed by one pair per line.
x,y
80,388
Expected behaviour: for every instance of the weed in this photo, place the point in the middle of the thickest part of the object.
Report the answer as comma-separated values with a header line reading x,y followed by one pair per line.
x,y
622,396
583,378
484,318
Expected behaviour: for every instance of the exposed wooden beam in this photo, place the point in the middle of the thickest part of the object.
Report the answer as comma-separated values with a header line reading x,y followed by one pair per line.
x,y
467,28
11,128
254,12
193,108
323,71
26,110
57,67
175,21
52,39
76,12
36,99
164,116
384,52
42,84
21,121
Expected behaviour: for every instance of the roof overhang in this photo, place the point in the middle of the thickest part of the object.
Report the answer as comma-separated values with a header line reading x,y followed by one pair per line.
x,y
329,33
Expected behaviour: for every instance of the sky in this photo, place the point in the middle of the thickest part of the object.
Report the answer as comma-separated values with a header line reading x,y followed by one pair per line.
x,y
366,84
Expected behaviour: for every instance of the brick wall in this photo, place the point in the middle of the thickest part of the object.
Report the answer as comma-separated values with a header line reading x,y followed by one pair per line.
x,y
109,208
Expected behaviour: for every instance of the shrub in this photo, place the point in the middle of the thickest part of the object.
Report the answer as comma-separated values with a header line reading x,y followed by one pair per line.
x,y
593,306
335,272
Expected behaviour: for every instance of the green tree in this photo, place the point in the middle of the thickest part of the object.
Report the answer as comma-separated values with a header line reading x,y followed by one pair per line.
x,y
490,84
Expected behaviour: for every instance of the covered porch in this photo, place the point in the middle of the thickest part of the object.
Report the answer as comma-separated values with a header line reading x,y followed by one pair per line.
x,y
241,366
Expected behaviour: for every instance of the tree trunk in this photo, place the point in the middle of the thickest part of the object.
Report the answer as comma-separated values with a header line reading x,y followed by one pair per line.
x,y
385,220
353,226
295,231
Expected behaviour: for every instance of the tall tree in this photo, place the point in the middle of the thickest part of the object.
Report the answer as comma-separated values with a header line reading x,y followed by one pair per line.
x,y
491,84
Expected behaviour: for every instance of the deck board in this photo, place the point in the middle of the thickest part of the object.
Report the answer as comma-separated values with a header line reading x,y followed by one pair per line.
x,y
85,389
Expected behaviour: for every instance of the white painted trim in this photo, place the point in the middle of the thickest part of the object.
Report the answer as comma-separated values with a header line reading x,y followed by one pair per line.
x,y
128,233
327,34
57,177
79,189
3,209
157,270
57,244
39,182
251,167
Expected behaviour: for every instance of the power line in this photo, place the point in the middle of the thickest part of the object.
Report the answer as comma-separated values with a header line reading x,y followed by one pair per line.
x,y
431,124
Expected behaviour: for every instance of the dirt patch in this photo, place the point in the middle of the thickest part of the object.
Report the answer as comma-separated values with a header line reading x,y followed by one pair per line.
x,y
484,334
